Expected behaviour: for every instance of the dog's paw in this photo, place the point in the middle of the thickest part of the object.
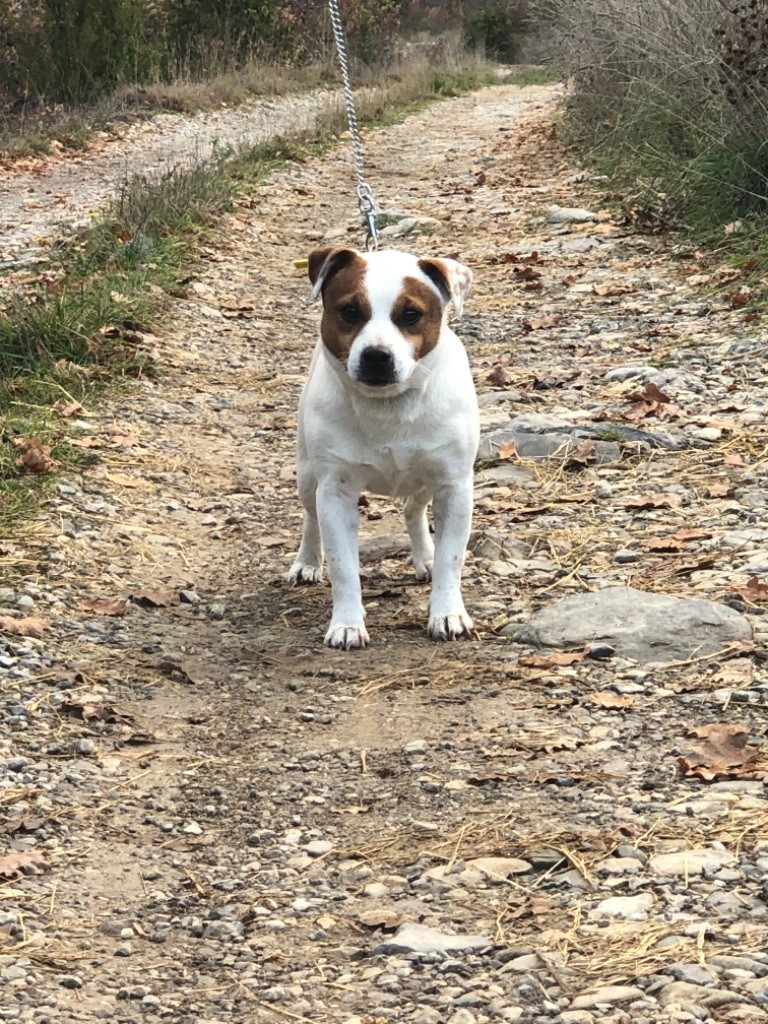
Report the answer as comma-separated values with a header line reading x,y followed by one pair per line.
x,y
449,627
302,573
347,637
423,571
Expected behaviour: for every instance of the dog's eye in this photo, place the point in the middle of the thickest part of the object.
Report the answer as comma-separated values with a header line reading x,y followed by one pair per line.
x,y
411,317
350,314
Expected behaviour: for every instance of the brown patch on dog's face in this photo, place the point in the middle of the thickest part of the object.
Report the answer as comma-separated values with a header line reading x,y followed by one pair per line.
x,y
418,315
346,308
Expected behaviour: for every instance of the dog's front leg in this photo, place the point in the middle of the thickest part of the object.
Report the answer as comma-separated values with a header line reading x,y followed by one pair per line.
x,y
337,512
452,506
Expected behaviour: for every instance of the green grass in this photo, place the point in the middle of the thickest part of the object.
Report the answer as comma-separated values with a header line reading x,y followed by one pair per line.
x,y
529,75
76,327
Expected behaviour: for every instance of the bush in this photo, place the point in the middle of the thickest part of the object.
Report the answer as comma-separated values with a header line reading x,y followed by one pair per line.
x,y
497,28
673,92
75,50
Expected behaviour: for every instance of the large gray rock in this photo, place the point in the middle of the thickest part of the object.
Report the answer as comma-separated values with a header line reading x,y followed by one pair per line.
x,y
639,625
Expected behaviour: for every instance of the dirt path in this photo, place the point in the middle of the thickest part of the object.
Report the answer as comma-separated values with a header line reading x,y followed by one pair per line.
x,y
233,819
41,196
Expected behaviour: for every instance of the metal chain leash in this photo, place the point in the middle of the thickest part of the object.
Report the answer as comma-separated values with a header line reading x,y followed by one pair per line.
x,y
363,191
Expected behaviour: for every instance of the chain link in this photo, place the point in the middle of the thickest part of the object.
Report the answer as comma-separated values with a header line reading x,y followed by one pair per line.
x,y
365,200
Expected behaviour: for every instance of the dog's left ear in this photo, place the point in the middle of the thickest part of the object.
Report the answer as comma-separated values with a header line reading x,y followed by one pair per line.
x,y
451,278
323,263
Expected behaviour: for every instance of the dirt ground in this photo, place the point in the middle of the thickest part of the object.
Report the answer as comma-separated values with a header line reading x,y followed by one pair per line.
x,y
232,821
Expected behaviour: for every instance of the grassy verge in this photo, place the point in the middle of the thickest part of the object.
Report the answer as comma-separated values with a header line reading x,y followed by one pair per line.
x,y
670,100
79,323
43,129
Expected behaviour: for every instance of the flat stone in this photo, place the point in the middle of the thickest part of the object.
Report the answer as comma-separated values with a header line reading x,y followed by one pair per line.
x,y
690,862
318,847
419,938
679,992
608,995
637,624
569,215
554,446
694,974
500,867
373,549
632,907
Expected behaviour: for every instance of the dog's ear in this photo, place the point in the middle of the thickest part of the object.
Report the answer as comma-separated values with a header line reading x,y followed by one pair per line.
x,y
452,280
324,263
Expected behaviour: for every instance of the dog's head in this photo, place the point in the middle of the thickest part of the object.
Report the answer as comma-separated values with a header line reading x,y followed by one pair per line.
x,y
383,312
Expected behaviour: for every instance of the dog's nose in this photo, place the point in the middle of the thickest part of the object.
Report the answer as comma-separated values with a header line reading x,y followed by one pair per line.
x,y
377,366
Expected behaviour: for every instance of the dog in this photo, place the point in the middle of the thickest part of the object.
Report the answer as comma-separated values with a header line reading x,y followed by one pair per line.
x,y
389,407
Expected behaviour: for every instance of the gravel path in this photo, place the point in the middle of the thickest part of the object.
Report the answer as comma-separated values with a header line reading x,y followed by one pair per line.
x,y
216,820
41,196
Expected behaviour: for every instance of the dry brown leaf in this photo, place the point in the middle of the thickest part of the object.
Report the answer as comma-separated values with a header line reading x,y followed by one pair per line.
x,y
723,753
157,598
97,712
382,918
542,322
30,625
606,699
553,659
35,456
613,289
753,591
738,673
582,454
507,451
661,499
719,488
499,376
68,409
676,541
104,606
733,459
26,862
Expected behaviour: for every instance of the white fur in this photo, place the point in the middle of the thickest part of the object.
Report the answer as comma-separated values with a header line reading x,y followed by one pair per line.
x,y
416,438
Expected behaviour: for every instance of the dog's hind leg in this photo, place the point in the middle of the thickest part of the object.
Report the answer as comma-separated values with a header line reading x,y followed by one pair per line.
x,y
422,548
308,566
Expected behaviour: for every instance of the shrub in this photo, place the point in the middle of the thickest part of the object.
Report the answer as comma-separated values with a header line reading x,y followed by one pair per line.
x,y
672,92
497,28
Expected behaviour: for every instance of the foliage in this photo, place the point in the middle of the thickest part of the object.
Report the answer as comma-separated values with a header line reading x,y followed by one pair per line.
x,y
498,28
671,97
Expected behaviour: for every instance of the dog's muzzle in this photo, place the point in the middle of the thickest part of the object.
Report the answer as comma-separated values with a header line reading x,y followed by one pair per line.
x,y
376,367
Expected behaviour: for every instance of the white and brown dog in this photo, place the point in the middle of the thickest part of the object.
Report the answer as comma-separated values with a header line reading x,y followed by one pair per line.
x,y
389,407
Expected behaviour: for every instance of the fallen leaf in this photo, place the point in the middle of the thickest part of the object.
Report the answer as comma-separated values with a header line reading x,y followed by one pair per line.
x,y
606,699
104,606
582,454
499,376
723,753
30,625
26,862
733,459
613,289
507,451
719,488
383,918
97,712
542,322
35,456
738,673
676,541
554,659
753,591
663,499
68,409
